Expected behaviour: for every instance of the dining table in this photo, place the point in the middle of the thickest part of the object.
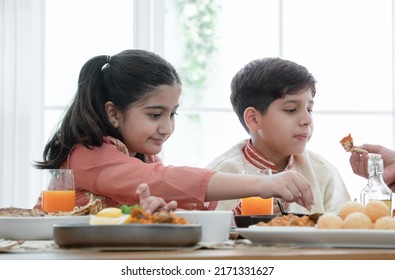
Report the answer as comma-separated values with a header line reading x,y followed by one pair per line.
x,y
239,249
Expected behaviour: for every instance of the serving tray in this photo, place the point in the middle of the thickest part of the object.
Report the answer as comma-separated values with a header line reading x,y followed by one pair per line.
x,y
127,235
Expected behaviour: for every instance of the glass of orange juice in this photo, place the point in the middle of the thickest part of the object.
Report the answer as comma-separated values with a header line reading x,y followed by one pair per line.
x,y
257,205
59,192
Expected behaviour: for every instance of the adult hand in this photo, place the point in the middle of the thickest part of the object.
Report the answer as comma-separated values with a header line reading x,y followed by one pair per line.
x,y
359,162
152,203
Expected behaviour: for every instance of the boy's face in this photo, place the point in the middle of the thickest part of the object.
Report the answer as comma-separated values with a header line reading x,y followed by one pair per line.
x,y
286,127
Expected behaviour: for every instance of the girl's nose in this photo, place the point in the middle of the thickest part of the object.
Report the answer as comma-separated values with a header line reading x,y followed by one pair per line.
x,y
166,127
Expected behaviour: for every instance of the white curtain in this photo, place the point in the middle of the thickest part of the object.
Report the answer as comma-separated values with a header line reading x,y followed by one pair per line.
x,y
21,100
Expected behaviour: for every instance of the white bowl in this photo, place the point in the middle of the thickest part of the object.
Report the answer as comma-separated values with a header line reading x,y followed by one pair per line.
x,y
215,224
35,228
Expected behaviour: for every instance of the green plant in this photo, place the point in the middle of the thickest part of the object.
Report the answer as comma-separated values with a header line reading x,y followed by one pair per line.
x,y
197,22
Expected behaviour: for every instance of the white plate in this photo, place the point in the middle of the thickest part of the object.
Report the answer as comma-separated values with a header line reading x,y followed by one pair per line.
x,y
312,237
34,228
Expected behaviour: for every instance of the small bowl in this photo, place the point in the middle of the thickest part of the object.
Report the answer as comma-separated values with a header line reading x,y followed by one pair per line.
x,y
262,218
215,224
243,221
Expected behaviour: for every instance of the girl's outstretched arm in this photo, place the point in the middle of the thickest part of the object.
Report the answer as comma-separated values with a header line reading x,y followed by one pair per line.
x,y
290,186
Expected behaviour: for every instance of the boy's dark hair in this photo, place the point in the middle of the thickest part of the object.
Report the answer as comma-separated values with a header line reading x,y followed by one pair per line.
x,y
124,79
262,81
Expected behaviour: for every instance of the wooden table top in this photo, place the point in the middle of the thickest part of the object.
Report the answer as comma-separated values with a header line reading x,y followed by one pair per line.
x,y
42,250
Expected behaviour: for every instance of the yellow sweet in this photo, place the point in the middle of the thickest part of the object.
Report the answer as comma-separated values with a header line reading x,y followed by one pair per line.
x,y
385,223
357,220
329,221
350,207
376,209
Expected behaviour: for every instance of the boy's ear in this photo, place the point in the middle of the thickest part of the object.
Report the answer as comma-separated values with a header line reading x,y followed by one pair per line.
x,y
112,113
251,118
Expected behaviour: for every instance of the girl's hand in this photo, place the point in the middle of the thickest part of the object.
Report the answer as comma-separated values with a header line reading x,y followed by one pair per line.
x,y
290,186
152,203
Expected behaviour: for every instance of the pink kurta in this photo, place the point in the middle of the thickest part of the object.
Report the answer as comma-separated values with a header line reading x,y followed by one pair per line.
x,y
107,171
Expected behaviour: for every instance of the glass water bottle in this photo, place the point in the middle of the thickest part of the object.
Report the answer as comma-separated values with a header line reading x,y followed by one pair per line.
x,y
376,189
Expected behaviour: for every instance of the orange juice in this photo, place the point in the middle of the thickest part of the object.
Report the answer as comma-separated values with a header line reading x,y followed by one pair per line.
x,y
257,206
55,201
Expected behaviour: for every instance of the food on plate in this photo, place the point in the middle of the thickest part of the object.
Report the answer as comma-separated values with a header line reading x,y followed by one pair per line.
x,y
384,223
330,221
92,207
289,220
376,209
357,220
137,215
350,207
110,216
347,143
21,212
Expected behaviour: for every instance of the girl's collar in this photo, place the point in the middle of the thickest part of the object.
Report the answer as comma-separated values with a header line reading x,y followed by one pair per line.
x,y
254,157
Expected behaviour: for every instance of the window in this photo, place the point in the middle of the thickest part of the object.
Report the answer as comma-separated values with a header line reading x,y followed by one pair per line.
x,y
348,45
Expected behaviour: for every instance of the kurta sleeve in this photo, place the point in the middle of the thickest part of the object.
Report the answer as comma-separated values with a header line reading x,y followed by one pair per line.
x,y
108,172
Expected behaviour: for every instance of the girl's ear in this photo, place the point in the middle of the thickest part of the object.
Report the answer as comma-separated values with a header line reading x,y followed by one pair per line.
x,y
112,113
251,116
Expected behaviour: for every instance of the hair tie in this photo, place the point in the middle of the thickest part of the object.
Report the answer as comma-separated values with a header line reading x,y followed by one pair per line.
x,y
107,64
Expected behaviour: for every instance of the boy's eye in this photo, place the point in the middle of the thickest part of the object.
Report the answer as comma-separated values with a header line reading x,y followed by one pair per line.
x,y
173,114
290,110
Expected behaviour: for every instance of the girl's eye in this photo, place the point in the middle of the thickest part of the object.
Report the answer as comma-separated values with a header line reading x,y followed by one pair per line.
x,y
155,116
290,110
172,115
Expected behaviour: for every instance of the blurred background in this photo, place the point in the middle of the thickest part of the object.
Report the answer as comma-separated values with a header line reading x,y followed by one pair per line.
x,y
348,45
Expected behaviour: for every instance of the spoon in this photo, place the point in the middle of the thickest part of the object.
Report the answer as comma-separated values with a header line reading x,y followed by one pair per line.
x,y
314,216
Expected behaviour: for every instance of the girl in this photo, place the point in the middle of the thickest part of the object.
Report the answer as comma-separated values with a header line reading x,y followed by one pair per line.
x,y
111,134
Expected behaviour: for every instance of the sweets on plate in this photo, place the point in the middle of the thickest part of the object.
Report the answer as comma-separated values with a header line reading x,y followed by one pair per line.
x,y
353,215
330,221
357,220
350,207
375,210
385,223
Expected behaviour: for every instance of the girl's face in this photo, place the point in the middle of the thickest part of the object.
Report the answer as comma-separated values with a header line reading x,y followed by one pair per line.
x,y
147,125
285,128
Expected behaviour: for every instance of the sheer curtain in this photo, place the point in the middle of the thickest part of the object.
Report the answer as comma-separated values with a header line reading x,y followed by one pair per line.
x,y
21,99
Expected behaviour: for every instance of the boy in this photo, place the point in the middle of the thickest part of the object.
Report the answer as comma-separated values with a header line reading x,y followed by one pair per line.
x,y
273,99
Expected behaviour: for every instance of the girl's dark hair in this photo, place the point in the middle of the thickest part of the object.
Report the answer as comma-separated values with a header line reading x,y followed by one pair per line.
x,y
124,79
262,81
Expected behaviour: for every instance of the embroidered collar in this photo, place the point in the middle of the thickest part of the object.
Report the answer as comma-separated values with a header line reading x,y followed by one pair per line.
x,y
254,157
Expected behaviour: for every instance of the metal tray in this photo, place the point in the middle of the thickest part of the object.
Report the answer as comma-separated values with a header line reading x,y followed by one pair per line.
x,y
127,235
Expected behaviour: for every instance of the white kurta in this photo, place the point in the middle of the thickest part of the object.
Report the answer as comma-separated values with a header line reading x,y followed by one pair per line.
x,y
329,190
